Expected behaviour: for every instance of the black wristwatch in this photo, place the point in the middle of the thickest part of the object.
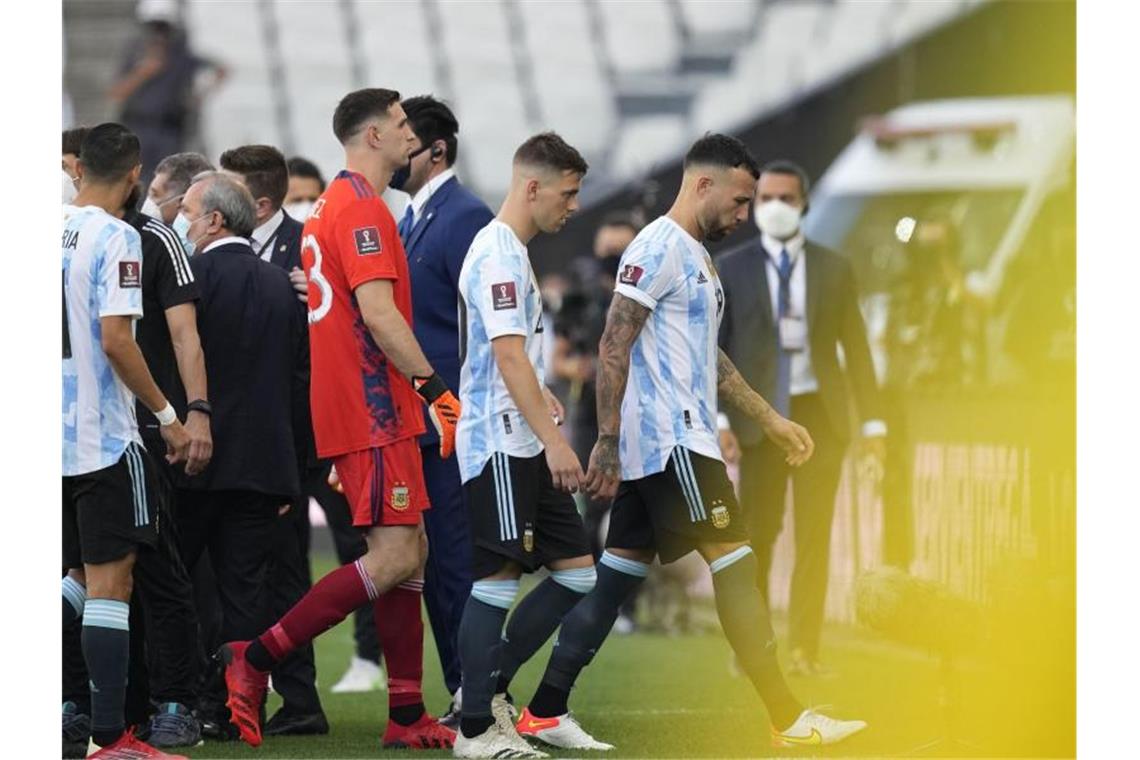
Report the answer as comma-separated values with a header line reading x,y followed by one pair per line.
x,y
200,405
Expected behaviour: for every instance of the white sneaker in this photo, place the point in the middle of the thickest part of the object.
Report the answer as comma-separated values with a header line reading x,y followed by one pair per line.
x,y
493,743
816,728
362,675
505,713
563,731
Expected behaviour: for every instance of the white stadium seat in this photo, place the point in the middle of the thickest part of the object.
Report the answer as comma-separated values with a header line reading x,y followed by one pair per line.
x,y
717,16
646,142
640,36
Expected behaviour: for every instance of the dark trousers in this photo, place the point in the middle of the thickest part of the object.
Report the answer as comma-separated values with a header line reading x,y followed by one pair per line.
x,y
290,578
236,527
763,491
163,622
447,578
349,543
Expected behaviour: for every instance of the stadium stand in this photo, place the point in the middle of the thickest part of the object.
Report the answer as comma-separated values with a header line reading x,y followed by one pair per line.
x,y
627,82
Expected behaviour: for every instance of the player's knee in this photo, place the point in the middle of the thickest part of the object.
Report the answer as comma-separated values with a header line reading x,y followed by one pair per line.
x,y
578,579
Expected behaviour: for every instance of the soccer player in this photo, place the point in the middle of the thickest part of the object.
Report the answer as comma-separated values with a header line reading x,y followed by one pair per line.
x,y
657,455
517,470
366,371
110,488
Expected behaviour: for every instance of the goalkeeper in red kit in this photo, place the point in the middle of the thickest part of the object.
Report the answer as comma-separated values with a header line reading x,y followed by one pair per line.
x,y
369,382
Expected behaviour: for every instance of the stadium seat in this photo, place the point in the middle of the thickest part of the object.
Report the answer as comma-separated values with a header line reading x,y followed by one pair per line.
x,y
404,60
645,142
574,97
640,37
716,16
917,17
854,32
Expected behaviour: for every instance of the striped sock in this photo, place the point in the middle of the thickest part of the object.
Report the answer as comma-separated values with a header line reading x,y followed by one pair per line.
x,y
106,648
74,597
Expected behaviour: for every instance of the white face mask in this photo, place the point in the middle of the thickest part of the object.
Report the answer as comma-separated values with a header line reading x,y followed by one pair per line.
x,y
299,210
181,226
151,209
69,191
777,218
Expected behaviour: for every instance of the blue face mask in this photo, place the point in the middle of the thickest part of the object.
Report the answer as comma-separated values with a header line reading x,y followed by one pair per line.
x,y
181,227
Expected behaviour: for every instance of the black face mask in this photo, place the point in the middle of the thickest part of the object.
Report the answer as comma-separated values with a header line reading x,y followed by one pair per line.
x,y
400,178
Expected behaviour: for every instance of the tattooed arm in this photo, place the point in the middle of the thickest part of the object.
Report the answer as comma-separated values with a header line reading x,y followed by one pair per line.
x,y
623,324
789,436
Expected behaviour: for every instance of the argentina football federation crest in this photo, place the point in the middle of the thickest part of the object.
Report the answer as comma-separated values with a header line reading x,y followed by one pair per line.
x,y
719,514
399,497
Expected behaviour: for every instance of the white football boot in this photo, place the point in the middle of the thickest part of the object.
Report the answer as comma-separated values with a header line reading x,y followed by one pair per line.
x,y
815,728
564,732
494,743
362,675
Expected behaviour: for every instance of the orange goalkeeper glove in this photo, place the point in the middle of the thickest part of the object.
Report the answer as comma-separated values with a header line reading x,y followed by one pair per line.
x,y
443,409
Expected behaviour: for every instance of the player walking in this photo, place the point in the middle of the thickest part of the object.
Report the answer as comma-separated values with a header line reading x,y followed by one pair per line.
x,y
366,371
657,455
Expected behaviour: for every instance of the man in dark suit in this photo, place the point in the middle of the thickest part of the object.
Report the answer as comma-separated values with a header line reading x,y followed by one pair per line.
x,y
277,240
253,337
790,306
437,229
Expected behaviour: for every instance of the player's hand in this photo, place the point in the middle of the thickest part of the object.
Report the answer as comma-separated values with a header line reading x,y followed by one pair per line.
x,y
334,481
300,284
565,469
557,413
604,472
177,441
791,437
201,443
729,447
443,409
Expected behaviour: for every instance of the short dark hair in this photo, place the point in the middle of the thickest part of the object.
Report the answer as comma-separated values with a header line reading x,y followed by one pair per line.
x,y
784,166
619,218
109,152
180,170
359,106
73,139
303,167
263,168
724,151
433,120
550,151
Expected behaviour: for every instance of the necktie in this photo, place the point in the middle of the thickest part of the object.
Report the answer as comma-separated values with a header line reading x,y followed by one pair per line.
x,y
783,357
406,224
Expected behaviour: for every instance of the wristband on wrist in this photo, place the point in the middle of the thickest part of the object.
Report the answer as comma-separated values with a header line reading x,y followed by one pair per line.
x,y
200,405
429,388
166,416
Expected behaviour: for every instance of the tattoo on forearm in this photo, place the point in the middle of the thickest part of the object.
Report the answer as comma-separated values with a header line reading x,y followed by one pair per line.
x,y
605,456
623,324
735,391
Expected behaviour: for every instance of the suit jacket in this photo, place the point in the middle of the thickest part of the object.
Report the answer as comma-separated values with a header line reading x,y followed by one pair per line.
x,y
286,251
436,247
257,363
749,334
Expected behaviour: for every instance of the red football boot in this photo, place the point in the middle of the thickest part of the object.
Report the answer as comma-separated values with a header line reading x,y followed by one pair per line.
x,y
127,747
425,733
246,686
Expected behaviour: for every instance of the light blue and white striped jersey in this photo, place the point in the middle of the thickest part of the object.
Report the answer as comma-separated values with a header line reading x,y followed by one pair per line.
x,y
671,396
102,277
498,295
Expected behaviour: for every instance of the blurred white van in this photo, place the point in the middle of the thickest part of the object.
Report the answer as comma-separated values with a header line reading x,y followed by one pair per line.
x,y
996,173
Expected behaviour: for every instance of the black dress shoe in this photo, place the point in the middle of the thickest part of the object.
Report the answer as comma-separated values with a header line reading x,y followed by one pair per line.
x,y
284,724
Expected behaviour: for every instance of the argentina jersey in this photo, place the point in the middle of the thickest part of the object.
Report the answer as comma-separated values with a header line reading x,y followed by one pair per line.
x,y
498,295
102,277
671,396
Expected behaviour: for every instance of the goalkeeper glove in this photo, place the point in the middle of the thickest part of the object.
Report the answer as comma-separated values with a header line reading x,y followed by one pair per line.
x,y
443,408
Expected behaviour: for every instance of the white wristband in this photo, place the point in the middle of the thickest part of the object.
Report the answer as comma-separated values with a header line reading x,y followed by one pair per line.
x,y
166,416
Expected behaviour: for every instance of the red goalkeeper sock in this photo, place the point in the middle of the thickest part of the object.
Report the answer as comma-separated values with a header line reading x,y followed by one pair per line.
x,y
400,626
330,601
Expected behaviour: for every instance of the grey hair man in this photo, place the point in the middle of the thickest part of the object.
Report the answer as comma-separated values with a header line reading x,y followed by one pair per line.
x,y
217,206
172,178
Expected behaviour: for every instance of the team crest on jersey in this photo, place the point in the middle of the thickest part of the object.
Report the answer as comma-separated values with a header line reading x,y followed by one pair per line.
x,y
503,296
719,514
129,274
630,274
528,540
367,241
399,498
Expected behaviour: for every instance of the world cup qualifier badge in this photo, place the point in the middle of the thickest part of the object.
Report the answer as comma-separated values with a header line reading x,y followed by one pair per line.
x,y
399,497
720,515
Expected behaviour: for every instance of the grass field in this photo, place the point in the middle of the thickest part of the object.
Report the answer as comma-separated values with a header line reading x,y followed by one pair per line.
x,y
666,696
